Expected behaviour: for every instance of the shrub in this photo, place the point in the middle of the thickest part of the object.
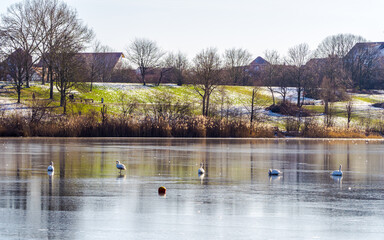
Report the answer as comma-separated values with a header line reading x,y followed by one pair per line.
x,y
288,109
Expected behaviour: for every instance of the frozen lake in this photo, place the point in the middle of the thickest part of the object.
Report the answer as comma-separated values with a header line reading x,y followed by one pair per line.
x,y
87,198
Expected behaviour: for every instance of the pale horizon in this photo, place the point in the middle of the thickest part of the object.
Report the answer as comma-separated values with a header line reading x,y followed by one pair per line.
x,y
190,26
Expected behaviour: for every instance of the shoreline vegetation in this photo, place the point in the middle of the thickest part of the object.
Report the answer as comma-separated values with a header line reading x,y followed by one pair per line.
x,y
169,114
188,127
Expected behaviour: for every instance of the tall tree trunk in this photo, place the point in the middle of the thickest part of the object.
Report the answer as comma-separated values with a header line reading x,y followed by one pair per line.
x,y
252,105
27,77
160,78
48,75
62,98
64,105
298,96
203,110
272,93
51,82
179,79
143,78
43,75
18,89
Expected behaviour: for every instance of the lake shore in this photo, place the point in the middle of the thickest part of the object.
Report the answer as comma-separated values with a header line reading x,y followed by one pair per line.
x,y
133,110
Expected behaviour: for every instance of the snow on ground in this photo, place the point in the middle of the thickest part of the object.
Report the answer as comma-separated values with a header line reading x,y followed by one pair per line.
x,y
360,107
362,103
9,106
291,95
130,86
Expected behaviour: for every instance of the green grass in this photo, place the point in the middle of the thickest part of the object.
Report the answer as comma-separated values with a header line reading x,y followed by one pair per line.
x,y
41,92
314,108
366,99
237,96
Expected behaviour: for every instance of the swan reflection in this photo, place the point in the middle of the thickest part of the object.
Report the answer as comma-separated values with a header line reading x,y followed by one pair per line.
x,y
201,176
338,180
274,178
121,177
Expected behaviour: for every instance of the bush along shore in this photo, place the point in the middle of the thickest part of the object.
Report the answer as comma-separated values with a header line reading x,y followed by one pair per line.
x,y
99,124
91,126
165,115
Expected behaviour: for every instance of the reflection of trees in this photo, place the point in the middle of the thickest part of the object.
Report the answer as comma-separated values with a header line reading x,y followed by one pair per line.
x,y
20,190
251,168
82,164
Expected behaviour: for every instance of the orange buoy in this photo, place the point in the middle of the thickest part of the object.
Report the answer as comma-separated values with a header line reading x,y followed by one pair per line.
x,y
162,190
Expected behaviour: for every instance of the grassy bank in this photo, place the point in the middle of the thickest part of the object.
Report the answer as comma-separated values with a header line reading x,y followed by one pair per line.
x,y
133,110
95,124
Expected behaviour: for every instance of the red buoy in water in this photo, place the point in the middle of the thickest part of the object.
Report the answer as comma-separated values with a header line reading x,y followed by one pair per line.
x,y
162,190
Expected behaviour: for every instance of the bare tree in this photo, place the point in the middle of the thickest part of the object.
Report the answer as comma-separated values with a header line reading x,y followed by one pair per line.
x,y
54,20
283,81
63,32
128,105
236,61
349,108
69,38
163,71
20,30
207,75
164,104
145,54
329,117
254,98
334,80
14,67
69,69
337,45
271,72
179,65
93,65
225,102
100,63
298,57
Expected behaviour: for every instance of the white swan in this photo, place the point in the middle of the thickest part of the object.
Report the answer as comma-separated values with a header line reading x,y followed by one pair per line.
x,y
337,172
50,167
201,169
274,172
120,166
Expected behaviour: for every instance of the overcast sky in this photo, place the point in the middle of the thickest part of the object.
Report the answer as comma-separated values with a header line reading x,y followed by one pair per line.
x,y
257,25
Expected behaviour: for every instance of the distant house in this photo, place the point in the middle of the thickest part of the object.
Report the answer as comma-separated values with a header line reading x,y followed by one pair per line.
x,y
316,62
14,65
100,65
372,50
376,46
110,60
319,64
258,64
365,62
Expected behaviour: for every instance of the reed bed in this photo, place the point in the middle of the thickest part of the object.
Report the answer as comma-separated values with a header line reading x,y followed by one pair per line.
x,y
90,126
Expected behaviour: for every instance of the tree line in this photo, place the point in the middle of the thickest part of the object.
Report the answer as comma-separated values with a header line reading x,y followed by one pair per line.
x,y
50,34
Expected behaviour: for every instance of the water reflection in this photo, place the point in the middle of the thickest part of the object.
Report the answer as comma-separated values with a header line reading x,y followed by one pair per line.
x,y
121,176
274,178
338,180
234,193
201,176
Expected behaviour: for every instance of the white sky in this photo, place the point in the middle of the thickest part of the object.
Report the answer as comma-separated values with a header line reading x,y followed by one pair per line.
x,y
257,25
